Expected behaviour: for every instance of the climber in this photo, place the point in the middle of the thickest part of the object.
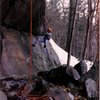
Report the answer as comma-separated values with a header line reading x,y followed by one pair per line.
x,y
45,32
47,36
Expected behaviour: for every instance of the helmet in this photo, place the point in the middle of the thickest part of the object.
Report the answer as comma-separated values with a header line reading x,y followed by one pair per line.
x,y
49,30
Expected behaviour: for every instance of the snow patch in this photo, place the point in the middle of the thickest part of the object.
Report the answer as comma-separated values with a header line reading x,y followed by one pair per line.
x,y
62,55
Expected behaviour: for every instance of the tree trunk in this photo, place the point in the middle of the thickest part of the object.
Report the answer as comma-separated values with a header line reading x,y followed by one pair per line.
x,y
88,29
73,5
98,44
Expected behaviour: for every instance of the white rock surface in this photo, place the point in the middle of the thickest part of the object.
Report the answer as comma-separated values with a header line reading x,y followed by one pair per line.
x,y
62,55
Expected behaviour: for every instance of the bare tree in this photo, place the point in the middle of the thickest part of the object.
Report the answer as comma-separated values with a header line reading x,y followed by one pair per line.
x,y
88,28
73,5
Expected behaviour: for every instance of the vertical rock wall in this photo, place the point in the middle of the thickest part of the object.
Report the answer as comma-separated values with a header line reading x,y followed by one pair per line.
x,y
15,55
16,14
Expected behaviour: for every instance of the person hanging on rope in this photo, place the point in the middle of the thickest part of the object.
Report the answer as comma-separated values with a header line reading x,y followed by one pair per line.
x,y
47,36
45,32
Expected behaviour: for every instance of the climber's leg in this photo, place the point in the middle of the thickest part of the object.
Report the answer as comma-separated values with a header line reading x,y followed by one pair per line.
x,y
33,44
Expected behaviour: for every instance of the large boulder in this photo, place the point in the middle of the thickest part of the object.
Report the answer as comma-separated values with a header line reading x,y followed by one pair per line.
x,y
72,72
91,88
16,55
59,76
92,74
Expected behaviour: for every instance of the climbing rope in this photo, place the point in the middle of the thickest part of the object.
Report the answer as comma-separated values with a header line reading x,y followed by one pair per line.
x,y
22,94
30,66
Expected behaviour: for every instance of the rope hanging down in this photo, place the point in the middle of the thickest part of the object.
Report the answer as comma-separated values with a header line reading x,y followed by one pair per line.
x,y
23,93
30,67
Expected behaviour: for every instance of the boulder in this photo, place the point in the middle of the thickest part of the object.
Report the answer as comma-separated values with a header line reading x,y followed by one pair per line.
x,y
72,72
16,55
12,84
91,88
81,67
58,76
3,96
92,74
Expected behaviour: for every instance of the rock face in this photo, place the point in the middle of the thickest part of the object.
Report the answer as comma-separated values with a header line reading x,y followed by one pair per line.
x,y
3,96
16,14
15,56
14,48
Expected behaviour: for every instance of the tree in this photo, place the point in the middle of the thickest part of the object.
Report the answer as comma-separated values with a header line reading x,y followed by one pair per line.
x,y
58,19
89,26
73,6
